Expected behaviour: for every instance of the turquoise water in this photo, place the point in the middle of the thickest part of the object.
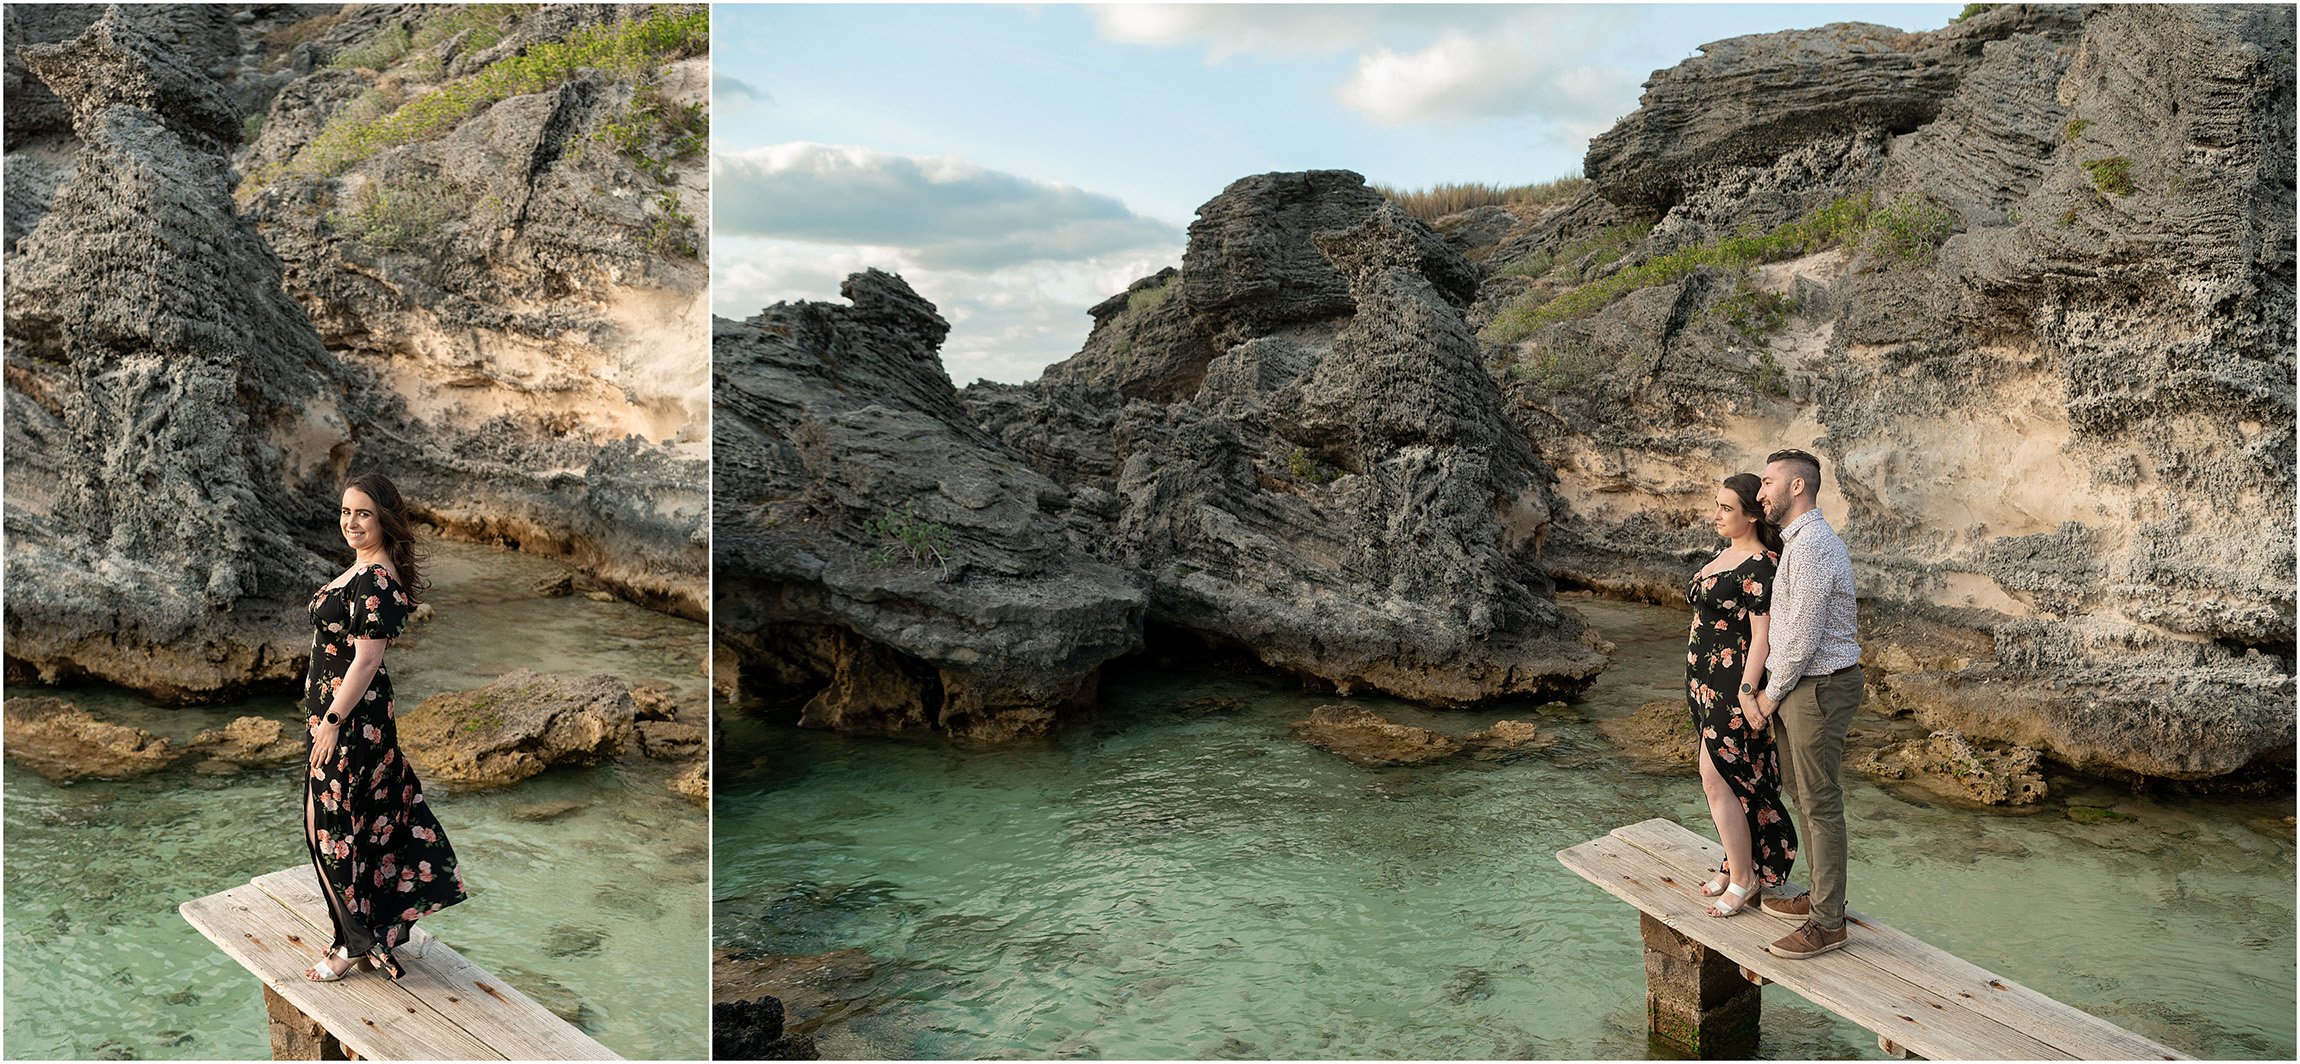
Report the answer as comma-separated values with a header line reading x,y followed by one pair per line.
x,y
598,909
1175,878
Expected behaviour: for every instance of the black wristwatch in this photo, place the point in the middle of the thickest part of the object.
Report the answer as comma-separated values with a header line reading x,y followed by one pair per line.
x,y
330,717
1747,689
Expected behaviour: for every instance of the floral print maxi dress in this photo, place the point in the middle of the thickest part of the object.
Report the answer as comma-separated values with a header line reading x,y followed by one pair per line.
x,y
1716,652
381,858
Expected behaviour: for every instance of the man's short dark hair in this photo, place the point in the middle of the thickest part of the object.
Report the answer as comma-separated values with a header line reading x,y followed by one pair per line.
x,y
1801,465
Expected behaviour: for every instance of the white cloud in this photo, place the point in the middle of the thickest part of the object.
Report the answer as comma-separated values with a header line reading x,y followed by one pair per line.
x,y
943,211
1006,324
1419,63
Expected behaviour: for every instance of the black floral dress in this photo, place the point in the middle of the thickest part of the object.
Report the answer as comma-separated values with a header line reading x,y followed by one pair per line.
x,y
381,857
1716,652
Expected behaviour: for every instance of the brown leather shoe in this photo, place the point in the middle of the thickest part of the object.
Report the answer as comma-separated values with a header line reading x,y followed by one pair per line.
x,y
1795,909
1808,940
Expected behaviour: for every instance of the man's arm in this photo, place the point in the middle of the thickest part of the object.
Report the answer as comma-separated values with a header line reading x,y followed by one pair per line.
x,y
1796,629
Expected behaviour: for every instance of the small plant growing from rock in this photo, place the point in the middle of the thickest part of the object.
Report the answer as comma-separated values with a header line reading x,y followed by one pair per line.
x,y
905,536
391,218
2074,129
1302,466
654,132
1557,370
1909,228
1770,377
1145,300
668,233
2112,176
1753,312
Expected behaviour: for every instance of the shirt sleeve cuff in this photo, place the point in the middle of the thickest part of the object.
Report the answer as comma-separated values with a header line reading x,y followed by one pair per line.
x,y
1776,691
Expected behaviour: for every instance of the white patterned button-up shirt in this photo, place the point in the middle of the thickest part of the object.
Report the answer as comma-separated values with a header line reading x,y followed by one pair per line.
x,y
1814,612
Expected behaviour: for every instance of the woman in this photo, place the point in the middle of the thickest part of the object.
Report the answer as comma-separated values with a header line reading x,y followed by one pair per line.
x,y
1724,668
381,858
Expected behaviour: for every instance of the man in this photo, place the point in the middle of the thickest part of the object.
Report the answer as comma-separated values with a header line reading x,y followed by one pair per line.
x,y
1813,686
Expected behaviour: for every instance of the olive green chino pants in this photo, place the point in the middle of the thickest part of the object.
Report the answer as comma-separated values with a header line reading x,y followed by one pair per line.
x,y
1813,721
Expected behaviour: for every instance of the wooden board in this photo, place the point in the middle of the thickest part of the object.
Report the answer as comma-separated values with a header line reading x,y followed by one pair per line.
x,y
2057,1023
513,1024
1919,997
444,1008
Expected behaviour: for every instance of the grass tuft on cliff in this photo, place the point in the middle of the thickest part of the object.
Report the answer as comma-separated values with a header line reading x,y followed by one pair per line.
x,y
1437,201
1906,228
626,48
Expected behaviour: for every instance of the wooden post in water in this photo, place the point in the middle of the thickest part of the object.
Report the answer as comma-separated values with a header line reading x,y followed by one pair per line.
x,y
1696,1000
296,1036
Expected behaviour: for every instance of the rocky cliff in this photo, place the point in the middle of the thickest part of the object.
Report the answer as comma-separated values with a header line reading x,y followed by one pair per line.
x,y
2026,284
252,248
1288,447
170,474
882,562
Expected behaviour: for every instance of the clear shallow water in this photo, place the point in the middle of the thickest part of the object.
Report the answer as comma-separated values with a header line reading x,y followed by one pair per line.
x,y
1163,881
603,904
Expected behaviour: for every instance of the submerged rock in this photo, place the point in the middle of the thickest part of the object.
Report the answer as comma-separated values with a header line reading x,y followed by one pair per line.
x,y
516,727
64,743
753,1030
1508,739
1366,739
252,741
695,784
1945,762
1660,731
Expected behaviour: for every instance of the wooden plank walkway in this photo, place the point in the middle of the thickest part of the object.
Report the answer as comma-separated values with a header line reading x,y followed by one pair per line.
x,y
1915,996
444,1008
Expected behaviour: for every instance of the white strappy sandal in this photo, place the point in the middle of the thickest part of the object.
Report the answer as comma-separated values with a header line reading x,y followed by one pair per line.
x,y
323,972
1740,896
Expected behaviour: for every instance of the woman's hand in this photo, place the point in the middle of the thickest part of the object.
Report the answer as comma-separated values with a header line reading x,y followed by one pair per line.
x,y
1753,711
323,742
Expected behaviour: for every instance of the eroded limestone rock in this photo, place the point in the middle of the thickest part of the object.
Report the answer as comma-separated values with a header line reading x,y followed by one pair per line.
x,y
516,727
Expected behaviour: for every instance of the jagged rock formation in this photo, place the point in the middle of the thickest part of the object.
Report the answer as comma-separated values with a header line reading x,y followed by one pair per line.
x,y
522,295
2053,377
880,558
173,426
1317,467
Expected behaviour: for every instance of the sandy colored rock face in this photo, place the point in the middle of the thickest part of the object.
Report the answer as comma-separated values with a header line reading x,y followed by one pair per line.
x,y
2058,442
517,727
64,743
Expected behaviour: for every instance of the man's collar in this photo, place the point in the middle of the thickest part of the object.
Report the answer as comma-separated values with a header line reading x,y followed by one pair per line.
x,y
1800,521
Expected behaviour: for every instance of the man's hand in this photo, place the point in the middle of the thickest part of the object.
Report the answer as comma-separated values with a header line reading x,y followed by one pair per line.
x,y
1758,709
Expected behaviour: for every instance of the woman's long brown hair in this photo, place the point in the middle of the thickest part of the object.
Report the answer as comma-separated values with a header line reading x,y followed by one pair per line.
x,y
398,531
1745,485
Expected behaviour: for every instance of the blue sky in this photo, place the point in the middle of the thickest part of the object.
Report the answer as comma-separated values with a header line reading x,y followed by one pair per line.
x,y
1018,163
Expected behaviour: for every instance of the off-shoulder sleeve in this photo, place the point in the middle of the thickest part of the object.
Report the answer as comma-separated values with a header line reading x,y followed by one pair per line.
x,y
1758,585
379,605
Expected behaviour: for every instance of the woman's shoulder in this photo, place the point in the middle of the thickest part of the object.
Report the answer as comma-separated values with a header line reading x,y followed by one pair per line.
x,y
381,575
